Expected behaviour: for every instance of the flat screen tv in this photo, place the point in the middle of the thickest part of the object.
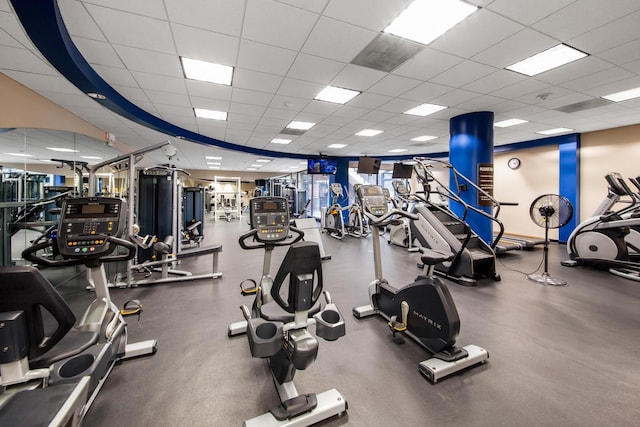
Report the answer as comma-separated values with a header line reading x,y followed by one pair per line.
x,y
322,166
402,171
368,165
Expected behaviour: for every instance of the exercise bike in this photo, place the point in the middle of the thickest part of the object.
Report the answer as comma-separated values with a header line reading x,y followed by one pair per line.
x,y
57,362
423,310
283,309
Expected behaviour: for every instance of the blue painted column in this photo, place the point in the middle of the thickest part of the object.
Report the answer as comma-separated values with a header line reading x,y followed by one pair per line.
x,y
569,185
471,145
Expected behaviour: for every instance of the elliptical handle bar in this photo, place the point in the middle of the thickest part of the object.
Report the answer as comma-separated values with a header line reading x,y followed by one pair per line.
x,y
379,221
29,254
253,233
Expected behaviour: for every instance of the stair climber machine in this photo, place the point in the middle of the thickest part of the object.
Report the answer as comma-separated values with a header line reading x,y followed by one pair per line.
x,y
610,239
438,228
423,310
52,367
283,309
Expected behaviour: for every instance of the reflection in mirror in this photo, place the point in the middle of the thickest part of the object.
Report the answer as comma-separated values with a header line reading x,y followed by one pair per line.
x,y
38,168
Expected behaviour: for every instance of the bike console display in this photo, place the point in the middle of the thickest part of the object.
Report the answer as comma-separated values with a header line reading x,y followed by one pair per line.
x,y
86,224
372,197
270,218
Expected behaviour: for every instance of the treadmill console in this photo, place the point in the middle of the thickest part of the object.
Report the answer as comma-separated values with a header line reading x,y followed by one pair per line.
x,y
87,222
270,217
372,197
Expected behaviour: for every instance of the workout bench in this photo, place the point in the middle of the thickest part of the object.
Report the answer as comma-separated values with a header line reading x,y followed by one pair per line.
x,y
165,265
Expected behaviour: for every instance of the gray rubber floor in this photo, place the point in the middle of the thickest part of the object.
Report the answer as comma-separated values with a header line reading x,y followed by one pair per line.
x,y
559,356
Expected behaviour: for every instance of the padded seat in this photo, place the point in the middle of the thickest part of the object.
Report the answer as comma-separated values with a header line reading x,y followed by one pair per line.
x,y
24,288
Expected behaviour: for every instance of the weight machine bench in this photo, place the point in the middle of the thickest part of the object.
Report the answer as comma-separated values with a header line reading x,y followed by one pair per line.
x,y
165,265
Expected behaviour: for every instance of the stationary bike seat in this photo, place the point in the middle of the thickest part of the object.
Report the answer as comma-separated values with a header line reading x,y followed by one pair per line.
x,y
434,256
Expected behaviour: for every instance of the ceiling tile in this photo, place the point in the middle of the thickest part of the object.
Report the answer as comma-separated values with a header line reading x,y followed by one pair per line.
x,y
149,62
392,85
222,15
515,48
337,40
205,45
121,28
476,33
582,16
527,12
314,69
277,24
427,63
356,77
379,13
463,74
261,57
255,80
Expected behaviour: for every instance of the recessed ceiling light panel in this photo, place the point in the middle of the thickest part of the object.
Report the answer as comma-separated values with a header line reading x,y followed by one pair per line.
x,y
300,125
547,60
210,114
207,71
624,95
554,131
426,20
336,146
425,109
369,132
423,138
509,122
281,141
336,95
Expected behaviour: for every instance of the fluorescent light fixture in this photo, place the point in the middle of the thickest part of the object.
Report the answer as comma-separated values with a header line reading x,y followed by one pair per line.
x,y
19,154
423,138
207,71
426,20
280,141
256,166
336,95
214,167
398,150
214,163
369,132
624,95
547,60
510,122
213,157
336,146
425,109
300,125
263,160
91,157
210,114
252,169
62,150
554,131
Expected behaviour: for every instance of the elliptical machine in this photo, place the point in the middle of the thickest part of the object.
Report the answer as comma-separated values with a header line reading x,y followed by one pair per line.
x,y
60,355
604,239
332,220
283,309
423,310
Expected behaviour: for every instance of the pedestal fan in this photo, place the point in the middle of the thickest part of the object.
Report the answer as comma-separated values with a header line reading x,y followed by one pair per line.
x,y
549,211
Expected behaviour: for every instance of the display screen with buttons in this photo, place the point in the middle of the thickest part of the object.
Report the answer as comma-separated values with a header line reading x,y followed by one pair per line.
x,y
270,217
86,223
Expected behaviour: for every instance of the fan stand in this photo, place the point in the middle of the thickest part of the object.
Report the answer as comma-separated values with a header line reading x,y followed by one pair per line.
x,y
545,278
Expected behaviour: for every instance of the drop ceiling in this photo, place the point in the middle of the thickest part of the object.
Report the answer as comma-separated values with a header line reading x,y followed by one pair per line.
x,y
284,52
